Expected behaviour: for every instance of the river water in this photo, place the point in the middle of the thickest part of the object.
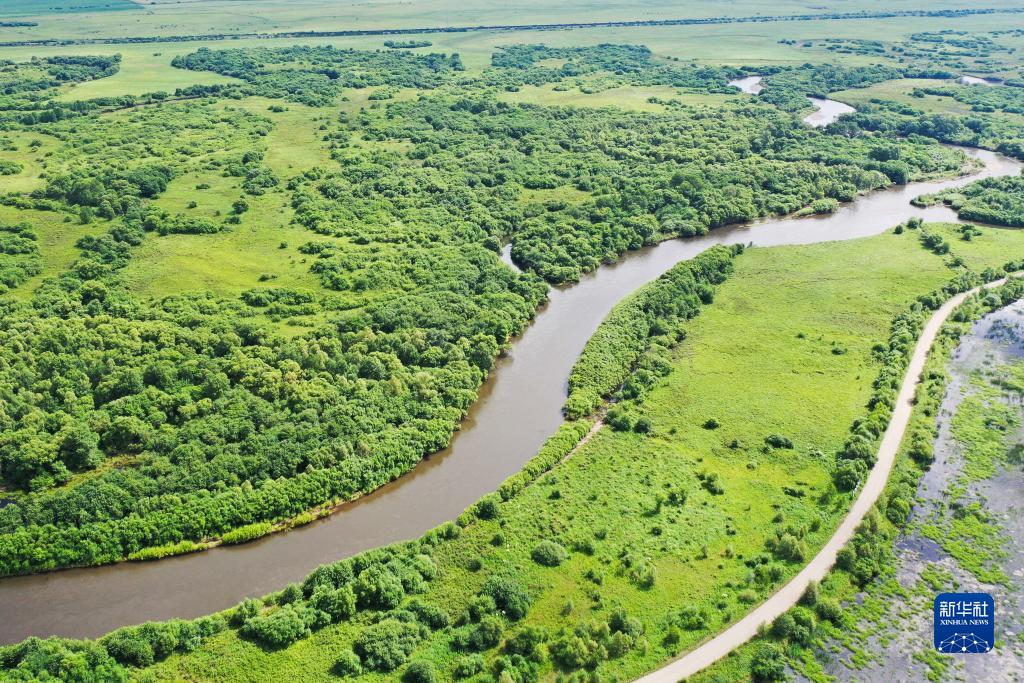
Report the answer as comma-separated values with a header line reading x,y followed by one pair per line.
x,y
826,111
519,407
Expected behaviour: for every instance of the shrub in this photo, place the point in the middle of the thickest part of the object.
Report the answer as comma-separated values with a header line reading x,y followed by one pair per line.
x,y
420,671
246,533
337,604
246,610
291,593
712,484
811,594
691,618
778,441
280,627
509,595
574,651
348,664
387,644
549,554
619,621
619,419
127,647
829,610
643,574
488,507
467,666
783,626
848,475
378,588
515,668
162,551
768,664
431,616
482,636
527,642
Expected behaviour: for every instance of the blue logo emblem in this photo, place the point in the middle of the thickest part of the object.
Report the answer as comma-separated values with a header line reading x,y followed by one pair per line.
x,y
964,623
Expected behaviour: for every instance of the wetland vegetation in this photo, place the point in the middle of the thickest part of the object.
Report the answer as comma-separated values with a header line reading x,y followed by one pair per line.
x,y
273,283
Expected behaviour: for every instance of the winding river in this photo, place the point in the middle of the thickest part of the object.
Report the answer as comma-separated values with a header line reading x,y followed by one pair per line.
x,y
518,408
825,111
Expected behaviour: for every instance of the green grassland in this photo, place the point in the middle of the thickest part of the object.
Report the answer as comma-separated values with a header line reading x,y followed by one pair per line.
x,y
878,609
15,146
899,91
146,67
86,18
231,262
146,70
840,295
57,240
20,8
634,98
982,249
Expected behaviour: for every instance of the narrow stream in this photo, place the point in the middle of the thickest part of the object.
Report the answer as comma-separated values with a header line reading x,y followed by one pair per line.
x,y
826,111
518,408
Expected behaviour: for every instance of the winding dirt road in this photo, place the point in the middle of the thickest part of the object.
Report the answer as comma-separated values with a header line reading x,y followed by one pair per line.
x,y
711,651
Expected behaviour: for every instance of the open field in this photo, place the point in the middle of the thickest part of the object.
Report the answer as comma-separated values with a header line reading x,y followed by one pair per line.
x,y
145,18
959,533
627,97
899,91
181,263
981,250
143,70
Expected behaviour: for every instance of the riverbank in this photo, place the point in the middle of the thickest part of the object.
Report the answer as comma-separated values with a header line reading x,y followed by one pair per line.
x,y
612,484
512,418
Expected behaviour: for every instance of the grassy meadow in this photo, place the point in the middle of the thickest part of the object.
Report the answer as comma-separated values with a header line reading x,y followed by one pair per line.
x,y
122,18
146,67
972,547
231,262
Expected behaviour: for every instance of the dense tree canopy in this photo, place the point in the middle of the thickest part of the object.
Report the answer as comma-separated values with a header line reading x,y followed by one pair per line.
x,y
999,201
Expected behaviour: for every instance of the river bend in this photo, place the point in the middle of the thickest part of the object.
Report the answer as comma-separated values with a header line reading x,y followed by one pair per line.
x,y
517,410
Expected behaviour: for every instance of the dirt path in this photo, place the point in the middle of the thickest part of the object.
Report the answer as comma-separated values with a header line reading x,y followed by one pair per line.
x,y
711,651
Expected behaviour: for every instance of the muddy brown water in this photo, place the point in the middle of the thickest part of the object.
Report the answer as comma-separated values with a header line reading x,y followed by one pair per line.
x,y
518,409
